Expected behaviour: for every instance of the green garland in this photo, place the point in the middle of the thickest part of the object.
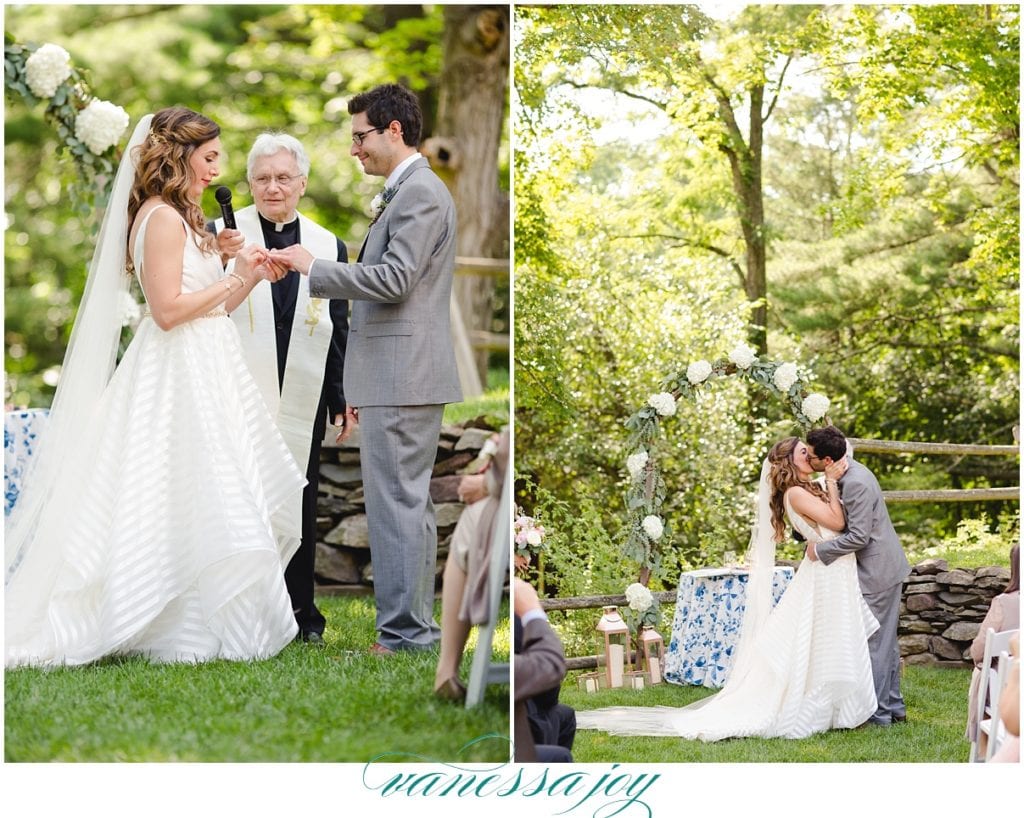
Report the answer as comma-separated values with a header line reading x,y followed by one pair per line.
x,y
96,171
646,492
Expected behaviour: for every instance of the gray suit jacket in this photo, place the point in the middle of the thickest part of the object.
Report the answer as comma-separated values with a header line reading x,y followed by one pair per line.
x,y
869,534
400,350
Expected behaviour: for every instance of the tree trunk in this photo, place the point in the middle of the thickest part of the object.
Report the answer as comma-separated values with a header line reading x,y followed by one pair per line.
x,y
464,150
754,228
745,164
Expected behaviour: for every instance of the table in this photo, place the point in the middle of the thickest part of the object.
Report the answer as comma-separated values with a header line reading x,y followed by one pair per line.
x,y
706,627
22,429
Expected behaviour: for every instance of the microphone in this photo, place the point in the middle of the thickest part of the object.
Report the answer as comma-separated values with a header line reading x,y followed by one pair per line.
x,y
223,197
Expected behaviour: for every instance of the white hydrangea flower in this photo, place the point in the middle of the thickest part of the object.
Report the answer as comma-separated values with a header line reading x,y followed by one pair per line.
x,y
664,404
815,406
785,376
653,526
635,463
698,372
377,206
639,597
46,69
101,125
129,308
743,356
533,537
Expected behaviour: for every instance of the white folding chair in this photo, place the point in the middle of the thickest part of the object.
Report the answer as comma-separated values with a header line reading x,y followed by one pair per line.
x,y
992,680
483,671
993,726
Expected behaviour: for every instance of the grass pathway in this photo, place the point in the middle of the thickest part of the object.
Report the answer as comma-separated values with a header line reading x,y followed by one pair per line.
x,y
306,704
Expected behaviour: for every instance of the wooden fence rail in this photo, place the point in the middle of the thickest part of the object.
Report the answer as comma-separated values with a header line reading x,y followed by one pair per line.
x,y
913,447
574,603
951,495
1011,493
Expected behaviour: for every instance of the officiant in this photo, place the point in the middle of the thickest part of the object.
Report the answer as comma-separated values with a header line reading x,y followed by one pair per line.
x,y
294,345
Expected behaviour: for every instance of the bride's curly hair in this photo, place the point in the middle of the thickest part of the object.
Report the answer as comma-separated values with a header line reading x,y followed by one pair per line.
x,y
162,167
782,476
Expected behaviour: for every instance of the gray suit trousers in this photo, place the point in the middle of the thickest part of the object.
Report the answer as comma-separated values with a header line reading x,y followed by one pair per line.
x,y
397,451
884,650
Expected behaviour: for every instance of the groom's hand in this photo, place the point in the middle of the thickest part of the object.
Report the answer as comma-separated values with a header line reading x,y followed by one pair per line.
x,y
272,271
295,257
812,555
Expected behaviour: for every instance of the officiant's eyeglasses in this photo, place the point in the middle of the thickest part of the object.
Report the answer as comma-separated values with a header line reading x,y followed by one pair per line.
x,y
282,180
359,136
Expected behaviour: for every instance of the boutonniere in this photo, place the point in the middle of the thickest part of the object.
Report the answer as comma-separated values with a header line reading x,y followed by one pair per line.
x,y
313,313
381,201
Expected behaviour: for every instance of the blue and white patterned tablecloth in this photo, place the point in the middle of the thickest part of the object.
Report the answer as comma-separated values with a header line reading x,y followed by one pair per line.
x,y
706,627
21,435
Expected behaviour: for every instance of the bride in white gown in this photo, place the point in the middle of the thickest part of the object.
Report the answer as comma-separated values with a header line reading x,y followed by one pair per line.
x,y
800,668
148,525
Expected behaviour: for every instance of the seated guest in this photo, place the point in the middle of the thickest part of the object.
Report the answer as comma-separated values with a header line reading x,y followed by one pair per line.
x,y
551,722
1009,709
465,600
539,667
1003,615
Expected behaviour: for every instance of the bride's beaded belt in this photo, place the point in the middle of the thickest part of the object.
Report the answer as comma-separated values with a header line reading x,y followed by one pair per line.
x,y
220,313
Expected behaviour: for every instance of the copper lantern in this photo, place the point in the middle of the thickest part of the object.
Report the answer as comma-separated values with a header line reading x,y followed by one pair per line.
x,y
615,645
652,648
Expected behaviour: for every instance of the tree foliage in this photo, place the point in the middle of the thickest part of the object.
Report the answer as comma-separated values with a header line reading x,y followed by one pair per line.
x,y
889,187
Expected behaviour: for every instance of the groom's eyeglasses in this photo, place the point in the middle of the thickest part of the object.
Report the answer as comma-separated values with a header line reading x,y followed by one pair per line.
x,y
359,136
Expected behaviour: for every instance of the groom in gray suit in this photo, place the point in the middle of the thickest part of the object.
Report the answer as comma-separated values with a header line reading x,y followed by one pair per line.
x,y
881,564
400,363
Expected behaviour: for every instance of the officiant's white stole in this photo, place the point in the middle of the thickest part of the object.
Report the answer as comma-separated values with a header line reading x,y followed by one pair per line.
x,y
293,406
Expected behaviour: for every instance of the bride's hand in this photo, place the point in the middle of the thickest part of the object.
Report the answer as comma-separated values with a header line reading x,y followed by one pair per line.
x,y
229,242
248,262
837,469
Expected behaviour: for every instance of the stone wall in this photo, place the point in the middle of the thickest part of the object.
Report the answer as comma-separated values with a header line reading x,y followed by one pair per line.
x,y
942,611
343,546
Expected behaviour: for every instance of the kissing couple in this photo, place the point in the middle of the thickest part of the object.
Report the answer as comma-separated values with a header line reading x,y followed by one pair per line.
x,y
827,655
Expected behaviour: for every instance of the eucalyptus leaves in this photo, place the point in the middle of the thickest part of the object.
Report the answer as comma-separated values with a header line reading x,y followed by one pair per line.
x,y
89,128
646,492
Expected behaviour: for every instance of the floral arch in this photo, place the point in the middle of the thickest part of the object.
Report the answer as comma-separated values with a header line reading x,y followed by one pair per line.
x,y
646,491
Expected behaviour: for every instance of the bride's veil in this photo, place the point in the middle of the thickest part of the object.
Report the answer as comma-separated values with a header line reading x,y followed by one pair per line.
x,y
88,365
761,562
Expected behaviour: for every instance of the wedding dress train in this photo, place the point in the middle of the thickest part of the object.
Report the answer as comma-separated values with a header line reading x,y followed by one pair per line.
x,y
164,544
805,670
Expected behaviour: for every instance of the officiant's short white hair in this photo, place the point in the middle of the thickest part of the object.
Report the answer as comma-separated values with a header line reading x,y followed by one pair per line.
x,y
271,142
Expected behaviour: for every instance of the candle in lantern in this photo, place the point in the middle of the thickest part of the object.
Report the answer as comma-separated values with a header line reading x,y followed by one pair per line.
x,y
616,659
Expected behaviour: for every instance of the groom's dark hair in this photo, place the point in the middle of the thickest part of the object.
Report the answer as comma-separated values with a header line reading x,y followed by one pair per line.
x,y
827,441
386,103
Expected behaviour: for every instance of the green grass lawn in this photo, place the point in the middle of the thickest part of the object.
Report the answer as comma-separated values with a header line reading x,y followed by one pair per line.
x,y
493,404
936,714
306,704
